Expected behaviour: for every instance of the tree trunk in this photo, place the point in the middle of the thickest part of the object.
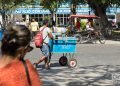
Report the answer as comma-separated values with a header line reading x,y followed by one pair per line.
x,y
100,10
52,21
73,9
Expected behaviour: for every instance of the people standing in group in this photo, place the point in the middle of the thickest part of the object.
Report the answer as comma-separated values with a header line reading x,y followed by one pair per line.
x,y
14,46
34,27
45,48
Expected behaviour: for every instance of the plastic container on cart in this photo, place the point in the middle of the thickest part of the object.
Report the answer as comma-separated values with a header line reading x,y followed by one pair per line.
x,y
63,45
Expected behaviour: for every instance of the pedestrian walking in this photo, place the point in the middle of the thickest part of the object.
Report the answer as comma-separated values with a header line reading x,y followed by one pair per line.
x,y
14,70
47,35
34,26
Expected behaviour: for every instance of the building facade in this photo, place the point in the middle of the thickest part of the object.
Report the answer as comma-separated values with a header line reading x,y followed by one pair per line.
x,y
61,16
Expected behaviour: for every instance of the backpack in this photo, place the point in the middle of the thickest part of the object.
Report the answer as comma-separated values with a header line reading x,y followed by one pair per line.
x,y
39,39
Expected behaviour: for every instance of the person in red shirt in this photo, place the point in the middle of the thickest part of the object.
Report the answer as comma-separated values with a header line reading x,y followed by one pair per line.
x,y
14,46
78,25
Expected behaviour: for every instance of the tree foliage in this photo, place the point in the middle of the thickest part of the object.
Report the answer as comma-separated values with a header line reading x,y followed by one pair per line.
x,y
51,5
8,5
103,4
73,4
100,7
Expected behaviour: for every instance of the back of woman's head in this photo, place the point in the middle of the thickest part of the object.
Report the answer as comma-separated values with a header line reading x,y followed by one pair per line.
x,y
15,37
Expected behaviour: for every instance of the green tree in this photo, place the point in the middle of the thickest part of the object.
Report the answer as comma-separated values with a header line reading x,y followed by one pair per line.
x,y
7,5
51,5
74,4
99,8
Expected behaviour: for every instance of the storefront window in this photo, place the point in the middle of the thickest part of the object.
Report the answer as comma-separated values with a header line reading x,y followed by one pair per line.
x,y
37,17
62,19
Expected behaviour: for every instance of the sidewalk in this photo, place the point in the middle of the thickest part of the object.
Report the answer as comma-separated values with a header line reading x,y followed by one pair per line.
x,y
112,42
99,75
109,42
96,66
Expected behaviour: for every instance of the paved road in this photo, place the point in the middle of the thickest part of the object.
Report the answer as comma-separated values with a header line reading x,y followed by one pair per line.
x,y
97,64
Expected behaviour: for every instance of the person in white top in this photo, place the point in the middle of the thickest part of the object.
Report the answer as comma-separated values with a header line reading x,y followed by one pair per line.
x,y
34,26
91,28
89,25
45,47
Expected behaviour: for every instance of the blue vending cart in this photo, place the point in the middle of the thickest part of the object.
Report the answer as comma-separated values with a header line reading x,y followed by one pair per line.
x,y
66,46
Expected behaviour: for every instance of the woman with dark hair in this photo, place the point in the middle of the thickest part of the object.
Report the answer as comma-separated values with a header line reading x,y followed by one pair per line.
x,y
14,70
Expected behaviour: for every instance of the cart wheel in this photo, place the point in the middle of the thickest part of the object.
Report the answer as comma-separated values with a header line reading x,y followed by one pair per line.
x,y
73,63
79,38
63,61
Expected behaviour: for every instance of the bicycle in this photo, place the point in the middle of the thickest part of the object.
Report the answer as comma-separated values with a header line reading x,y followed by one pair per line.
x,y
99,37
90,36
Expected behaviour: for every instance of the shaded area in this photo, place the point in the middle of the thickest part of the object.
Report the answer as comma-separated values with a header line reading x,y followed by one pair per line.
x,y
115,35
98,75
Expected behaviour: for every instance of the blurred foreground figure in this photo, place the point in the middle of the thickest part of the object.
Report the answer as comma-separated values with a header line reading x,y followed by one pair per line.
x,y
15,45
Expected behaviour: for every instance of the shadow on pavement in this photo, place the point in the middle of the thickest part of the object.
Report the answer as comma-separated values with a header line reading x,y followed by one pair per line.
x,y
98,75
52,65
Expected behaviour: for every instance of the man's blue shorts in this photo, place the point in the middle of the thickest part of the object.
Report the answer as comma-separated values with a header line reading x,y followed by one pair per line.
x,y
45,50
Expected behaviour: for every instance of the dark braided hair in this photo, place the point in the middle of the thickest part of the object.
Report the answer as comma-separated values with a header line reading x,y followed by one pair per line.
x,y
15,37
